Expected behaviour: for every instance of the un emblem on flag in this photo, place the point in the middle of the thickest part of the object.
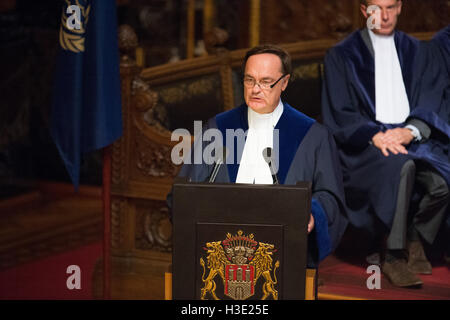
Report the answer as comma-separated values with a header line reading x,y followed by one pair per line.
x,y
74,20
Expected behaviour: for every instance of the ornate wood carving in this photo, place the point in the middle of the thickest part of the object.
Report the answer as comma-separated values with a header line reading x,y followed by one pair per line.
x,y
424,16
306,71
153,159
145,102
285,21
118,218
153,227
128,42
215,40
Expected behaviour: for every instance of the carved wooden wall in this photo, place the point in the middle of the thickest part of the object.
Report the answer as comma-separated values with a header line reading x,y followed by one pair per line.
x,y
424,16
163,25
289,21
284,21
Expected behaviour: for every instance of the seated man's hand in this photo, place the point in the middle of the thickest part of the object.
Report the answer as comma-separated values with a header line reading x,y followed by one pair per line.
x,y
389,142
399,135
310,223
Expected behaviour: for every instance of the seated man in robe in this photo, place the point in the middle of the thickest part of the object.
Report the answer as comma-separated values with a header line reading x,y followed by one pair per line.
x,y
382,100
306,151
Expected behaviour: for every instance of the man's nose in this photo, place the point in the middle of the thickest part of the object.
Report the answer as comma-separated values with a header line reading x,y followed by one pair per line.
x,y
385,15
256,88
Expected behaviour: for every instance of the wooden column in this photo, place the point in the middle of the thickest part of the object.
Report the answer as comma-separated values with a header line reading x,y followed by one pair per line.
x,y
190,36
208,16
254,27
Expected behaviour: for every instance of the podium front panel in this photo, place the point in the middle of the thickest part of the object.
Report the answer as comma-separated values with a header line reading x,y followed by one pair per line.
x,y
240,242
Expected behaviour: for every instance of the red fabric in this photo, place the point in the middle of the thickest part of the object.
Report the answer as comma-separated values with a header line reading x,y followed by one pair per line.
x,y
46,278
340,277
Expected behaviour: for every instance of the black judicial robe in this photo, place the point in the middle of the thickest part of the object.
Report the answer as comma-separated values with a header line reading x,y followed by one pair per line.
x,y
348,107
307,153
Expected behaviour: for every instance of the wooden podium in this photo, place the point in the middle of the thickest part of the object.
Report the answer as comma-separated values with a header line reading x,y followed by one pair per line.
x,y
310,285
240,242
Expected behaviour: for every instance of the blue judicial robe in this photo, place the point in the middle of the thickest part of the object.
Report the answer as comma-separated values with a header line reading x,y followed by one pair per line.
x,y
441,45
307,153
371,180
442,40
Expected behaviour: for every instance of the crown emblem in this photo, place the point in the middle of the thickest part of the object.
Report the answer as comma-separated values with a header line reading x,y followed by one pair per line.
x,y
239,248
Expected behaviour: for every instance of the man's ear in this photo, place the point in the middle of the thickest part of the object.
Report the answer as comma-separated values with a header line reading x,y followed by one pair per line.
x,y
400,5
363,9
285,82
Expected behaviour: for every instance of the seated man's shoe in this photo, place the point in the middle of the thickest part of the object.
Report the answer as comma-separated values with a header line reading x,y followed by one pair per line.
x,y
374,259
396,270
417,261
447,259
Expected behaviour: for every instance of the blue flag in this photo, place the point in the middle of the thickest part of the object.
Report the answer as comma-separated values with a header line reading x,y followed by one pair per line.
x,y
86,111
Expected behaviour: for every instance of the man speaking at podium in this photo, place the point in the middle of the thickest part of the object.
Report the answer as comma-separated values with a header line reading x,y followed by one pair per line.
x,y
281,145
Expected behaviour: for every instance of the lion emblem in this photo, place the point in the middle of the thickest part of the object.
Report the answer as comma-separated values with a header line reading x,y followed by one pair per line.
x,y
216,265
263,265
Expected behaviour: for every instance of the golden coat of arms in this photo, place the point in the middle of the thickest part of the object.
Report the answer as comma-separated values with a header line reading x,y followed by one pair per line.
x,y
240,261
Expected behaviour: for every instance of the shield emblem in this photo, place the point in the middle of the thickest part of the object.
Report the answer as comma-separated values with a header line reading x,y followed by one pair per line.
x,y
239,281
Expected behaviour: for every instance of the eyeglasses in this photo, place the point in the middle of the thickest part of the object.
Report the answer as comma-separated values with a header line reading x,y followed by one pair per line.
x,y
265,85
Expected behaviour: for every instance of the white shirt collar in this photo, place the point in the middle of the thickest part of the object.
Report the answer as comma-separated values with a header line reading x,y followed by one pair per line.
x,y
260,120
380,37
253,168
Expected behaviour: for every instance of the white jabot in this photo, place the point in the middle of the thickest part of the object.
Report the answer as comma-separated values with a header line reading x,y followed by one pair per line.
x,y
253,168
391,101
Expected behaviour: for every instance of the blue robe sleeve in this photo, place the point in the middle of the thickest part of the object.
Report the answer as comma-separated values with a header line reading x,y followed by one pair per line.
x,y
340,106
322,236
432,90
328,204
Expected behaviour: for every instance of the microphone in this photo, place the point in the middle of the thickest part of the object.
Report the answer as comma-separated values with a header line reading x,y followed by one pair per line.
x,y
221,156
267,154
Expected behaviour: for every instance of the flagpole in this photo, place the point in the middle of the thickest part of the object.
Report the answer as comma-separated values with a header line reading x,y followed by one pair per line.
x,y
106,195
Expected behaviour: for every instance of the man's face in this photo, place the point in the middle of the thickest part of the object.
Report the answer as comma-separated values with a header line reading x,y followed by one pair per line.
x,y
264,68
389,12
